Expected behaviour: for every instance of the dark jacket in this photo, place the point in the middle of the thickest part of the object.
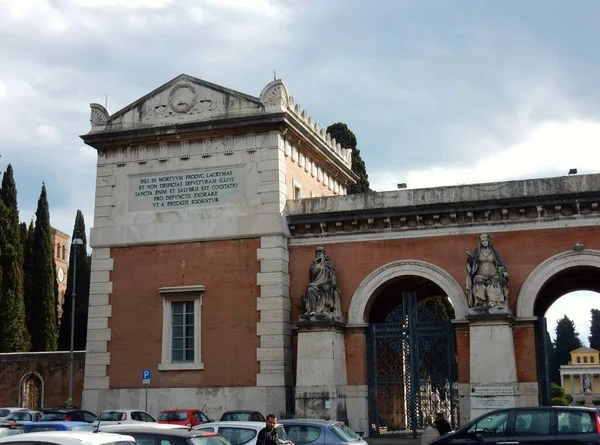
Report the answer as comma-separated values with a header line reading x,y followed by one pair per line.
x,y
267,437
442,426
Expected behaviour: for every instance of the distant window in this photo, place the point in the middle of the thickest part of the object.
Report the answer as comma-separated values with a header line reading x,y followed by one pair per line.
x,y
297,192
585,359
578,359
64,252
592,359
58,250
532,422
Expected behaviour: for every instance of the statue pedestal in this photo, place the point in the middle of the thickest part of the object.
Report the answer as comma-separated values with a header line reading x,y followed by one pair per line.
x,y
493,368
321,369
588,398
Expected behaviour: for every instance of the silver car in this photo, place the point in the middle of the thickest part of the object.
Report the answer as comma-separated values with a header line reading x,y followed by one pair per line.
x,y
320,432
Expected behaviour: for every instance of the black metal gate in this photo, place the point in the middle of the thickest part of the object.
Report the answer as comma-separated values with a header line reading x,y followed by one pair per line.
x,y
542,352
412,370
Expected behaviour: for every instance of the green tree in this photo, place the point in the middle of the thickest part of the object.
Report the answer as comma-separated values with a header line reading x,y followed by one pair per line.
x,y
567,339
594,337
82,289
43,297
28,257
13,330
344,136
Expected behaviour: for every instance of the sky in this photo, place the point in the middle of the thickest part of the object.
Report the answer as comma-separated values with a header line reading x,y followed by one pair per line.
x,y
438,92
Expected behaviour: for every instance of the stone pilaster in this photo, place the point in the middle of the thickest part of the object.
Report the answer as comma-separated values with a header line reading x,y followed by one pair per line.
x,y
98,332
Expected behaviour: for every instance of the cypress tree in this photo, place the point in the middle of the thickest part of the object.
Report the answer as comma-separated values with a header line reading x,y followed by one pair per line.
x,y
43,297
13,330
594,337
28,256
82,289
343,135
567,340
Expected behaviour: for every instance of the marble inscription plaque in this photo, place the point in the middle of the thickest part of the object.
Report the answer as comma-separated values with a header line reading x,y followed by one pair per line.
x,y
180,190
492,389
490,403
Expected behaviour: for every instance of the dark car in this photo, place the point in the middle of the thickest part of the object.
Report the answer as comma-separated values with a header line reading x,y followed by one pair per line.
x,y
67,415
152,435
527,426
320,432
242,416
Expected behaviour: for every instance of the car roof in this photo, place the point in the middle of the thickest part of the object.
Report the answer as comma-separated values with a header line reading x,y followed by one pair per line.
x,y
170,410
309,422
61,422
235,423
241,411
133,429
85,437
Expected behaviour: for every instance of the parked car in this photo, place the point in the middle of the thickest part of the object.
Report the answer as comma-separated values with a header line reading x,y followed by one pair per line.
x,y
5,412
69,438
535,425
242,416
187,417
124,416
67,415
150,435
24,416
241,433
10,429
320,432
37,427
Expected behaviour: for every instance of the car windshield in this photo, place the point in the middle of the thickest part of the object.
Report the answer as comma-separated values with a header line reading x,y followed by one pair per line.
x,y
4,412
173,416
110,416
19,415
207,440
54,416
5,432
345,433
242,417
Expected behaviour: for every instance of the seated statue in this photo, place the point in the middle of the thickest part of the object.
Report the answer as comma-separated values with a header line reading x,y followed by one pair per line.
x,y
487,277
322,296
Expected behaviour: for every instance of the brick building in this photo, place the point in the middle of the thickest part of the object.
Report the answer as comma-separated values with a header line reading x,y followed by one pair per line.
x,y
202,241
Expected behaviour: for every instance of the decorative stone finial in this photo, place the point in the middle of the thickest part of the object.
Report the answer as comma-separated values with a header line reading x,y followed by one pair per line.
x,y
99,115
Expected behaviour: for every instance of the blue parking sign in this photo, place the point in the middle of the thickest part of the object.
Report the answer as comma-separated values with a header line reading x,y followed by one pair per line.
x,y
146,376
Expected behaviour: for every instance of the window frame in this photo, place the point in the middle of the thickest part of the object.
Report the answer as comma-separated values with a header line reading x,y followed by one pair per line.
x,y
296,186
180,294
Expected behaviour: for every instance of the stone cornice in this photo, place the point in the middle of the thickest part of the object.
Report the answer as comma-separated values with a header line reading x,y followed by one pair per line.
x,y
552,199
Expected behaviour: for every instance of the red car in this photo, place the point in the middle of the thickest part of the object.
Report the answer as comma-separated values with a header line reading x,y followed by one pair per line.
x,y
187,417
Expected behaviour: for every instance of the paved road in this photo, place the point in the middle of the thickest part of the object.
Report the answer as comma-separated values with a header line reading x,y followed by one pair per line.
x,y
394,440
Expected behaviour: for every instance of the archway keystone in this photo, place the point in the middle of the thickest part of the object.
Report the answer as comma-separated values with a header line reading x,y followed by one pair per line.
x,y
367,289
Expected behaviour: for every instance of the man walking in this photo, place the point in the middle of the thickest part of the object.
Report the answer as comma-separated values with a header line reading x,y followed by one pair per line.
x,y
268,435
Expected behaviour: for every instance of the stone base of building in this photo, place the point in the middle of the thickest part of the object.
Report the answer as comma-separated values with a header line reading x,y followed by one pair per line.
x,y
213,401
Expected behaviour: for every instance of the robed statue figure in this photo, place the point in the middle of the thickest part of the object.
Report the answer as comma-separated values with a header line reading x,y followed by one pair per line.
x,y
487,277
322,296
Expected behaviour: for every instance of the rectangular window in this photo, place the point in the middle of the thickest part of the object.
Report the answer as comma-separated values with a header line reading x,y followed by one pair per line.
x,y
534,422
181,328
575,422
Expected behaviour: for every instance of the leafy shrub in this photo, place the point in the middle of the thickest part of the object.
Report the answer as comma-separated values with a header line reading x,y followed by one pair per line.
x,y
559,401
556,390
569,398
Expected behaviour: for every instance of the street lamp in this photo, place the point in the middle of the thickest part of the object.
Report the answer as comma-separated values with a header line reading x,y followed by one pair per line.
x,y
75,245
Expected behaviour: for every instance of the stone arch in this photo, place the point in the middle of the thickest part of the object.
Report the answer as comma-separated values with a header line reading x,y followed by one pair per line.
x,y
546,270
368,287
31,391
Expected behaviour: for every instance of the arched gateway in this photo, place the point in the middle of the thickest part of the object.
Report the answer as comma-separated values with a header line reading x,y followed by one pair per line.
x,y
210,205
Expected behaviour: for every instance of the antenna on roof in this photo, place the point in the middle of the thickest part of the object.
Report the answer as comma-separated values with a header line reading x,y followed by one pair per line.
x,y
105,100
274,75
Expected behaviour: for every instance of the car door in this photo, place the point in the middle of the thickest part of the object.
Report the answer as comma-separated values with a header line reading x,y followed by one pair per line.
x,y
575,427
491,428
531,427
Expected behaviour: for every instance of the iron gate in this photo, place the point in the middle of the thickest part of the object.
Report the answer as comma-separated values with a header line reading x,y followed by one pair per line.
x,y
412,370
542,351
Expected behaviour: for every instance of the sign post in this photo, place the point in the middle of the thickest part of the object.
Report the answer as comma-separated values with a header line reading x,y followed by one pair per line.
x,y
146,376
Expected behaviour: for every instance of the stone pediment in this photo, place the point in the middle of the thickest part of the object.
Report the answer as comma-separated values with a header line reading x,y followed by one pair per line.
x,y
181,100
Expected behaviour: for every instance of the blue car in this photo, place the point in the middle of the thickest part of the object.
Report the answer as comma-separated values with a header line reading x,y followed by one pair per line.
x,y
36,427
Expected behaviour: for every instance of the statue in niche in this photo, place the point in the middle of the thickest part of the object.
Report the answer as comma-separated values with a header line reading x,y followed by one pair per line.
x,y
587,383
322,296
487,277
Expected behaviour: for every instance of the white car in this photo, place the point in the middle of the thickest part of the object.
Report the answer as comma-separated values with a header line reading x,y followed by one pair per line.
x,y
118,416
69,438
5,412
240,433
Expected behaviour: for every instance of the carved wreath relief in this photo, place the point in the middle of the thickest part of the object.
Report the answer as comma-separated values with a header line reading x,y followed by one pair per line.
x,y
487,276
184,98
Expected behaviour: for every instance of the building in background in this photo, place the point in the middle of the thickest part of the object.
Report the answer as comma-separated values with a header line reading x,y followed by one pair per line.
x,y
581,373
60,241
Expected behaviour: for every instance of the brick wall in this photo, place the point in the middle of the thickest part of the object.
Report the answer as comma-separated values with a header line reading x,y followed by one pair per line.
x,y
305,179
51,367
229,314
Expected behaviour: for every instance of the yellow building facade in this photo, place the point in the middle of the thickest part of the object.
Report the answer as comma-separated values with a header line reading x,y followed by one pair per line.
x,y
582,373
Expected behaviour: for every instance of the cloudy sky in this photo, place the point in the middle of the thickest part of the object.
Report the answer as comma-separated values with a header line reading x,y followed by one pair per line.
x,y
438,92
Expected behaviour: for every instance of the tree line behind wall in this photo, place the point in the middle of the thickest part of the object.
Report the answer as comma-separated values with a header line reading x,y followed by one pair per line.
x,y
567,339
29,305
